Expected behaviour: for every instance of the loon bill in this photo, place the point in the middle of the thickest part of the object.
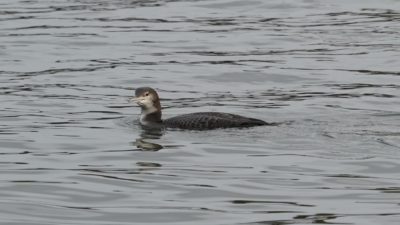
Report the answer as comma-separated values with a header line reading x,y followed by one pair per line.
x,y
147,98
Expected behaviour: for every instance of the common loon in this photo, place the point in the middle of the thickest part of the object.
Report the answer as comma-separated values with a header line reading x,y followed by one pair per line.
x,y
147,98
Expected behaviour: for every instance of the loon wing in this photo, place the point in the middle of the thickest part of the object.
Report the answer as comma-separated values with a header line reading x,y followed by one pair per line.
x,y
211,120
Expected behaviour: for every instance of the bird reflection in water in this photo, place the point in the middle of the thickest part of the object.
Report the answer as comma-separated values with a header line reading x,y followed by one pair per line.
x,y
149,133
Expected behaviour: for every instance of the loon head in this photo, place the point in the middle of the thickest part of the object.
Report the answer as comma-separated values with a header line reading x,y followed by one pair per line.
x,y
148,100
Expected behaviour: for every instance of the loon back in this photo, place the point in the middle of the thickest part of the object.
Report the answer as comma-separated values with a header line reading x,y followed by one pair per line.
x,y
211,120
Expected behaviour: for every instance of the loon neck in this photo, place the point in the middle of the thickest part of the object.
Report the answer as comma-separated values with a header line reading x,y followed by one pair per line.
x,y
150,117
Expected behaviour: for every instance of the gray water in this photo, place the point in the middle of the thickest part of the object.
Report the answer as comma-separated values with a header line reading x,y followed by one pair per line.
x,y
72,151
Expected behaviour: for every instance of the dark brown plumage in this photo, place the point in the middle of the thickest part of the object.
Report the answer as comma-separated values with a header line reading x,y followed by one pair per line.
x,y
211,120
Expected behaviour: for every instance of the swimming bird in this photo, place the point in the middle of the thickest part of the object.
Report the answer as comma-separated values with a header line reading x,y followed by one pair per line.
x,y
147,98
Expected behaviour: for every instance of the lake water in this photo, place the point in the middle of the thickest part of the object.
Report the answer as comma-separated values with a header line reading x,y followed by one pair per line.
x,y
72,151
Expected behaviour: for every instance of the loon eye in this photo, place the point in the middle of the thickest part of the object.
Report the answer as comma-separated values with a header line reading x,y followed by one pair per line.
x,y
146,94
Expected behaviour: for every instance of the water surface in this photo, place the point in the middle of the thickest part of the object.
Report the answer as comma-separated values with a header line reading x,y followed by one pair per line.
x,y
73,153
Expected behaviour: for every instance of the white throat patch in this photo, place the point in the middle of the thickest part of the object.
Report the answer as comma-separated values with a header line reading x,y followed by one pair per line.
x,y
145,112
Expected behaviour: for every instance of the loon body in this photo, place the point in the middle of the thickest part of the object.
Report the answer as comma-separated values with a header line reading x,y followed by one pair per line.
x,y
147,98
